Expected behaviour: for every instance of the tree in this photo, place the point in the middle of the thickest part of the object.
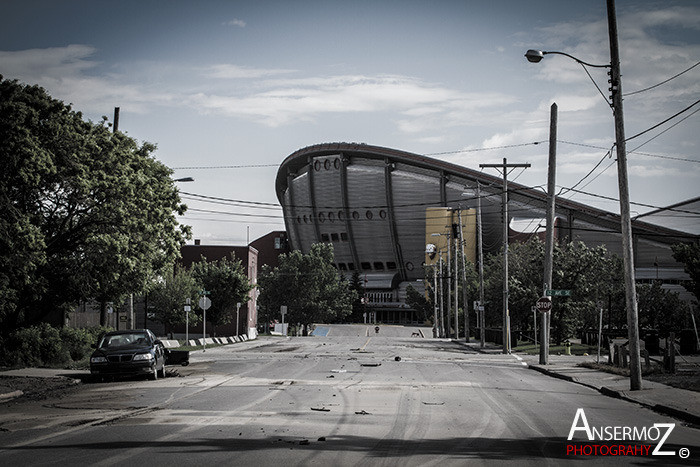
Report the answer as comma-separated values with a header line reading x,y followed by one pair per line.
x,y
592,275
308,285
87,213
689,255
227,284
660,309
418,302
169,295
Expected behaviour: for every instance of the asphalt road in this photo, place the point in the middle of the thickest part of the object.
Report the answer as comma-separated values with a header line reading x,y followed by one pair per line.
x,y
342,399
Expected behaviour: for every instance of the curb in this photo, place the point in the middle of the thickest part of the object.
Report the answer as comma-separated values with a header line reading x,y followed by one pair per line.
x,y
606,391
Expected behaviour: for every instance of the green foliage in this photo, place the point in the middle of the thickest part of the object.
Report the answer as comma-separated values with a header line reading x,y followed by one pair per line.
x,y
227,283
308,285
689,255
418,302
660,309
169,295
44,345
87,213
592,274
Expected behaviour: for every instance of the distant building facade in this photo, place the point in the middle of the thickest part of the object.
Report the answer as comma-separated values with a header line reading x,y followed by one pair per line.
x,y
370,203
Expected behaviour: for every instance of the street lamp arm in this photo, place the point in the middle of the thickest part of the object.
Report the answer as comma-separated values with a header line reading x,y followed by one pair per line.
x,y
535,56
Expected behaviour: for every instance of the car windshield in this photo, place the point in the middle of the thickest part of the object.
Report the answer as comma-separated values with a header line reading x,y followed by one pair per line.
x,y
124,340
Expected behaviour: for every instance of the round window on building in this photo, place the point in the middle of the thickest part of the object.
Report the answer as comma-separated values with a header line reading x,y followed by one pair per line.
x,y
409,266
382,214
341,215
317,165
327,164
306,221
355,215
321,217
369,214
331,216
298,219
336,163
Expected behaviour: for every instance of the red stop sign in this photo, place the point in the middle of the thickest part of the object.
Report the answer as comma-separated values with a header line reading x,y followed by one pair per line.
x,y
544,304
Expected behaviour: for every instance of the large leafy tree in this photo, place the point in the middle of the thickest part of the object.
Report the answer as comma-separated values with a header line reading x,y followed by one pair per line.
x,y
592,274
308,285
660,309
689,255
227,284
88,213
168,296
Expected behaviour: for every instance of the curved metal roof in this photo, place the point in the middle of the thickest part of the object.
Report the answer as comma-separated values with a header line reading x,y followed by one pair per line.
x,y
299,159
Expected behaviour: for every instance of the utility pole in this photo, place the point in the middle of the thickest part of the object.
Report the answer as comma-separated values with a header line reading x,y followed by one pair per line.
x,y
456,275
442,300
482,312
549,239
626,223
464,279
436,328
506,316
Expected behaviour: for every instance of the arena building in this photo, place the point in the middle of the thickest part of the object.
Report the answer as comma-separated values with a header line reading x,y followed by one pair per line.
x,y
372,203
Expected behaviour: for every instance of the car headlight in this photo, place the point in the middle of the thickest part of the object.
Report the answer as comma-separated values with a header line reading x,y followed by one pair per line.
x,y
143,356
98,360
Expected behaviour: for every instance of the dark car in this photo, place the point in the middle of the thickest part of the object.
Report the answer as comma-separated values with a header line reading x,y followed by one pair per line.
x,y
128,353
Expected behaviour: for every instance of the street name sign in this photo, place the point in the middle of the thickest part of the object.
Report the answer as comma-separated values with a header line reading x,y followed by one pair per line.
x,y
558,293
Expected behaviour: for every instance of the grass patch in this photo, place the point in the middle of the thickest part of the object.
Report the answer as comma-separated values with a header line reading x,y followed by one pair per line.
x,y
646,371
576,349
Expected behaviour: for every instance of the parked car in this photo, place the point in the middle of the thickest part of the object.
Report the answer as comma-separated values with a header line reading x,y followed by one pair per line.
x,y
128,353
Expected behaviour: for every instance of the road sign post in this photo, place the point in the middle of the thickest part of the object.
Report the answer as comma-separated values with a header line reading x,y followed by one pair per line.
x,y
283,311
204,304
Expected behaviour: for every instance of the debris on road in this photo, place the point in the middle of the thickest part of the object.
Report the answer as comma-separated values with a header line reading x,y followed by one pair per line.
x,y
398,359
362,412
371,364
320,409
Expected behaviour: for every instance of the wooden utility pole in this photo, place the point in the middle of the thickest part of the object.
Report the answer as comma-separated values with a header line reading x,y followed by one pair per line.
x,y
549,240
464,279
625,221
504,207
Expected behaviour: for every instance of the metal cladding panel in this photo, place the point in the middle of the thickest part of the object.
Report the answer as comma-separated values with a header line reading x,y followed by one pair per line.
x,y
368,213
304,215
413,193
329,206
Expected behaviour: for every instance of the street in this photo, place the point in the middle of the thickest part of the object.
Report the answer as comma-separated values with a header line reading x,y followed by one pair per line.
x,y
353,397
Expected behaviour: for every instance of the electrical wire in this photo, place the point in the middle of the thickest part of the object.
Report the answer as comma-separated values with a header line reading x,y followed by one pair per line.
x,y
661,123
663,82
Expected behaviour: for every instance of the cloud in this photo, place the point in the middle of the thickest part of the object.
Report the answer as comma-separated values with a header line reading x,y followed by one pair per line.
x,y
239,23
228,71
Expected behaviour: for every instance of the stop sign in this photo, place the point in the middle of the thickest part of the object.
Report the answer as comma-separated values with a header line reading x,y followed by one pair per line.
x,y
544,304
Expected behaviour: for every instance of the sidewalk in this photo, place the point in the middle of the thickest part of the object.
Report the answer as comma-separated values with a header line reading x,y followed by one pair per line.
x,y
679,403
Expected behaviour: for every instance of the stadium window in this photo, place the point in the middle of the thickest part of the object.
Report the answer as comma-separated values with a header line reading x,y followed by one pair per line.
x,y
317,165
391,265
342,266
351,266
355,215
321,217
336,163
324,237
379,266
382,214
327,164
344,236
369,214
365,266
331,216
341,215
334,237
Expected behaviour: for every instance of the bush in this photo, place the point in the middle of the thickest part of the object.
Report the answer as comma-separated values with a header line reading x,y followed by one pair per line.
x,y
43,345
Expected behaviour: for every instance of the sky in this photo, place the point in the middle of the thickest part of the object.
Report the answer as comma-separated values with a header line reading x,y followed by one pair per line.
x,y
228,89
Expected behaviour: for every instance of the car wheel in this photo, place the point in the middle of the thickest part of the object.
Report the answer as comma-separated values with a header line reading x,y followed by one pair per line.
x,y
162,372
153,376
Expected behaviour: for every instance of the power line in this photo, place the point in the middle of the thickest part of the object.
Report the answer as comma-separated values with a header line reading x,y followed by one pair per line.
x,y
661,123
663,82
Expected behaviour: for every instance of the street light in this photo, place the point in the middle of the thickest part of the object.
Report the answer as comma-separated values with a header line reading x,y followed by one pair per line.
x,y
535,56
